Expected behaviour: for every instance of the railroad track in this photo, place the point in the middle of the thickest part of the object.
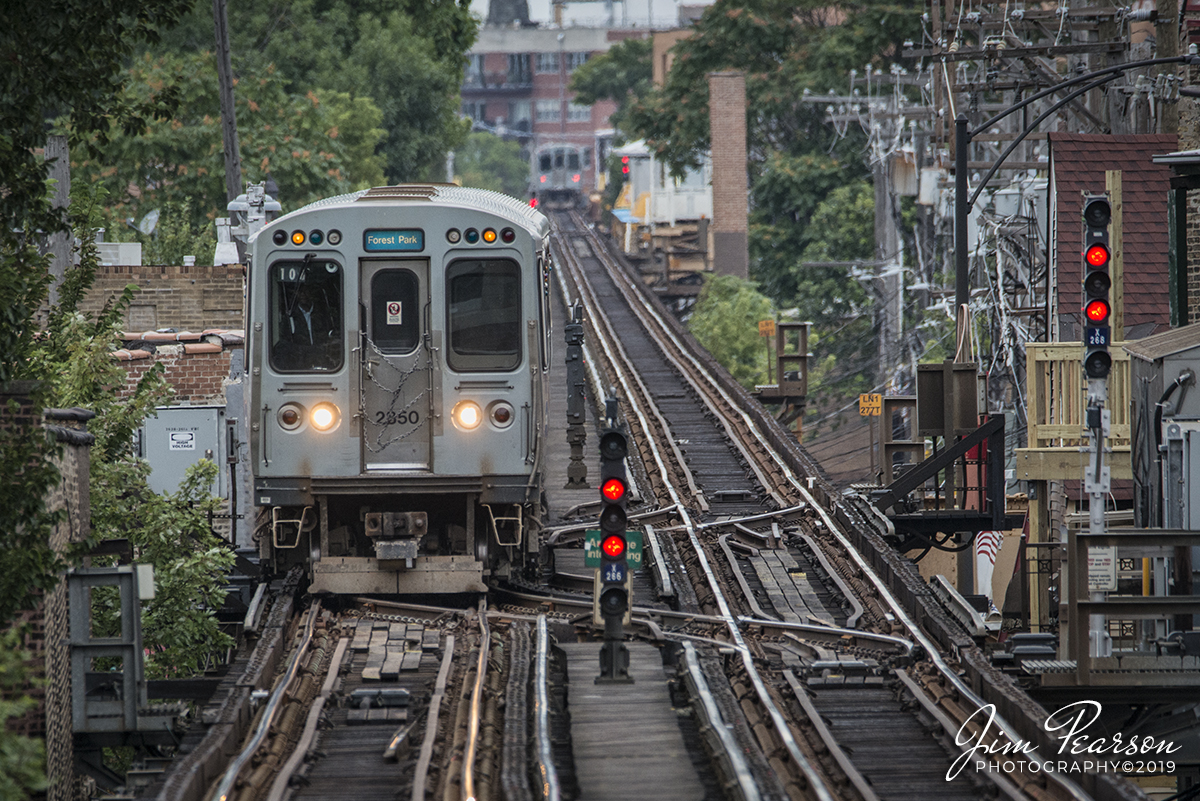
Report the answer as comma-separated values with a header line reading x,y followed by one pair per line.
x,y
834,732
799,657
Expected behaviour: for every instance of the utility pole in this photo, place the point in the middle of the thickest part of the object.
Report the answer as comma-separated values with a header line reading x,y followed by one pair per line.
x,y
59,245
229,137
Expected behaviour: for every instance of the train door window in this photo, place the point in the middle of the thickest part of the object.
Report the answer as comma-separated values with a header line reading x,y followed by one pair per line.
x,y
484,314
573,160
306,331
544,162
558,158
395,311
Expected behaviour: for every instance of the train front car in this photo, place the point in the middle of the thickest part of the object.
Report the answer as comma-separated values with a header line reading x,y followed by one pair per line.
x,y
561,173
399,347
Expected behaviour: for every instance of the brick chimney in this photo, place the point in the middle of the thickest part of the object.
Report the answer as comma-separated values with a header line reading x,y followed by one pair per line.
x,y
727,118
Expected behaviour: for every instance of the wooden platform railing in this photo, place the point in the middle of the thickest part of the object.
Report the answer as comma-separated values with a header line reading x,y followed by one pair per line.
x,y
1058,397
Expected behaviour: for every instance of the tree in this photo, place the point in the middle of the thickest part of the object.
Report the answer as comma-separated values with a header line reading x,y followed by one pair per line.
x,y
405,56
312,145
65,57
725,322
621,74
488,162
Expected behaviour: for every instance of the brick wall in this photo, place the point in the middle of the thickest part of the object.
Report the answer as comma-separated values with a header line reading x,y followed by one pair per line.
x,y
48,626
186,298
727,119
198,376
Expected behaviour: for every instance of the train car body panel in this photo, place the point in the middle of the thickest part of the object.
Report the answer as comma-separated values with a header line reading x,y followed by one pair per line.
x,y
398,350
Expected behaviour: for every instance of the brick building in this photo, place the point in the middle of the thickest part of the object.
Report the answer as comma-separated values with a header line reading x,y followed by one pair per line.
x,y
186,298
516,86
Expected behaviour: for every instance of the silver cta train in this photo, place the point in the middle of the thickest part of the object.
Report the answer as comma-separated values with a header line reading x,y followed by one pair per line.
x,y
398,354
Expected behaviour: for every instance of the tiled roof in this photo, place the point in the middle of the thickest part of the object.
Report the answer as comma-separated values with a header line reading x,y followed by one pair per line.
x,y
1078,163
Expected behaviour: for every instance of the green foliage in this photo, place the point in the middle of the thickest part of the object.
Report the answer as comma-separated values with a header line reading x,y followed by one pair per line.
x,y
22,759
171,532
175,235
405,56
65,57
725,321
311,148
488,162
621,74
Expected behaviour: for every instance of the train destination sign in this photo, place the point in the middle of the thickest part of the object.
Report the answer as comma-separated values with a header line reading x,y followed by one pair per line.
x,y
395,239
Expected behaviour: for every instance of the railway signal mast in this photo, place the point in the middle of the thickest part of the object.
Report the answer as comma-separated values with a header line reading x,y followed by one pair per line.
x,y
612,588
1097,363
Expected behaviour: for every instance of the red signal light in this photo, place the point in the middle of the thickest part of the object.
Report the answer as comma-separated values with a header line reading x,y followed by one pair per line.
x,y
613,545
1096,311
1097,255
533,202
624,159
613,489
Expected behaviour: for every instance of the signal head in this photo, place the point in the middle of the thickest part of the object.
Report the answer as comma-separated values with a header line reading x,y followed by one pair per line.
x,y
1096,283
613,445
1096,311
613,490
612,519
1097,255
1097,364
1097,212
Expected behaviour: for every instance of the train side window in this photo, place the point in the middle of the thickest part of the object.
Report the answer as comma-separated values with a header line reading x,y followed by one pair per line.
x,y
544,163
395,311
306,331
573,160
484,314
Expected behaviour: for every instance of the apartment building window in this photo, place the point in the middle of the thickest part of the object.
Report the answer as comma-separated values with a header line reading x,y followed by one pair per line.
x,y
520,113
519,71
474,74
576,60
578,113
549,111
474,109
547,63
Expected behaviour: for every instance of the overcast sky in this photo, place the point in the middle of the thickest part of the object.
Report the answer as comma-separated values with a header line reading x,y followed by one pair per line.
x,y
634,13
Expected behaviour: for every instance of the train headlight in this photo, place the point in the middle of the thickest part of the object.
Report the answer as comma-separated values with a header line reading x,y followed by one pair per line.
x,y
324,416
467,415
501,414
453,236
291,416
335,237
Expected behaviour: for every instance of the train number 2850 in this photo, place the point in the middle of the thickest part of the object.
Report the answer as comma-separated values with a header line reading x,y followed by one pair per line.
x,y
393,418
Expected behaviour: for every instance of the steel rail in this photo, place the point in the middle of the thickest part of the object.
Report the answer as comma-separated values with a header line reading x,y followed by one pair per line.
x,y
421,771
815,782
468,770
544,761
610,343
931,650
713,723
229,778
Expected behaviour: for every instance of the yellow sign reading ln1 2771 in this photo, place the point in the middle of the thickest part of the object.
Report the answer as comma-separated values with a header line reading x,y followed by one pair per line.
x,y
870,405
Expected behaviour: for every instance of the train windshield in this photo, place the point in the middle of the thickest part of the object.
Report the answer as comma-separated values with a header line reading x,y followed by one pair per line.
x,y
484,314
306,331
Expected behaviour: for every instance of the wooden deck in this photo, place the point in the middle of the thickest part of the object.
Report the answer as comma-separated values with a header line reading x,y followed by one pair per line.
x,y
626,737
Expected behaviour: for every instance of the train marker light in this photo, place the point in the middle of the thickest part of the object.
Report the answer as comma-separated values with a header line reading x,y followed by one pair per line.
x,y
279,237
472,236
575,178
507,236
335,237
489,235
453,236
543,179
297,237
315,237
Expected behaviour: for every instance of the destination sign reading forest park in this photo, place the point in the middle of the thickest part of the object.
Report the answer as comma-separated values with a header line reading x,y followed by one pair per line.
x,y
396,239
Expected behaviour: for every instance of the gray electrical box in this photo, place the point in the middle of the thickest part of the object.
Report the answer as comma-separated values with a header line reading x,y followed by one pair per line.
x,y
179,437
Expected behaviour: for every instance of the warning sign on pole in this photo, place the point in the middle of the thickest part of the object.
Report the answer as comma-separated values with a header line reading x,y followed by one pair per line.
x,y
870,405
766,328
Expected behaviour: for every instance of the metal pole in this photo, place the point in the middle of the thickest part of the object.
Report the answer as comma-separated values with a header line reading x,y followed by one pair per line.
x,y
233,160
962,143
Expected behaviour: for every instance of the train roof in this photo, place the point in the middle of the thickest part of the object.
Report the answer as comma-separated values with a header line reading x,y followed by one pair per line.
x,y
496,203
